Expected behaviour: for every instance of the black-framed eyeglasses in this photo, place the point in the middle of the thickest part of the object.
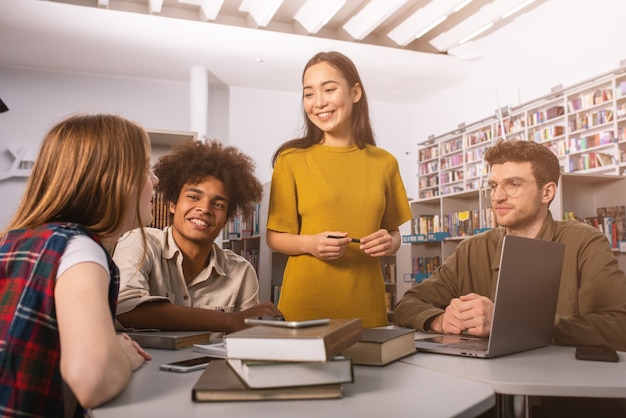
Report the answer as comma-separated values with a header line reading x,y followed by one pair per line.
x,y
509,187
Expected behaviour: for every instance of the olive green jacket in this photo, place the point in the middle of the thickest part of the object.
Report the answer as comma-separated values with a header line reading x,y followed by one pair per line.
x,y
592,298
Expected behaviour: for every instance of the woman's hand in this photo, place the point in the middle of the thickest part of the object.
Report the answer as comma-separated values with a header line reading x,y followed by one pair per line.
x,y
325,248
381,243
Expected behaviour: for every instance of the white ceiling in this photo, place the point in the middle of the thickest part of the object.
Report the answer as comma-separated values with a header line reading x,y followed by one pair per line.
x,y
65,37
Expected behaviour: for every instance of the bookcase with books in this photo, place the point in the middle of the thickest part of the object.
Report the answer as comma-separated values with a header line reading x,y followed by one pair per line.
x,y
242,235
161,142
584,125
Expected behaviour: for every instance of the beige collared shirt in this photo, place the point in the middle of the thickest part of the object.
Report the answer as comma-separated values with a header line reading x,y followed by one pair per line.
x,y
228,283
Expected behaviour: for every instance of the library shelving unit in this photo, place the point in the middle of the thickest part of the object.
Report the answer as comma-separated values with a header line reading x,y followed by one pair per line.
x,y
161,141
584,125
242,235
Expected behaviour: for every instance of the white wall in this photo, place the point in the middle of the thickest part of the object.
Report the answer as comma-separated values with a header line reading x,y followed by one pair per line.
x,y
561,42
37,100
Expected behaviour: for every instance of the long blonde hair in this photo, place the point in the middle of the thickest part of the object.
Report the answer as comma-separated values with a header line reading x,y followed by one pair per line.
x,y
87,170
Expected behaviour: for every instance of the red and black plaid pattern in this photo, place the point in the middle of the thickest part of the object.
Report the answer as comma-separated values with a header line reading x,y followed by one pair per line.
x,y
30,378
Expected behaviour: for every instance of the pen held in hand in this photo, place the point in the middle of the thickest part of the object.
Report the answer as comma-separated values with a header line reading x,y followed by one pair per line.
x,y
356,240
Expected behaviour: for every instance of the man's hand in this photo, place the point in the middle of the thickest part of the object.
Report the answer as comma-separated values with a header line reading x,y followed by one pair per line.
x,y
471,313
262,309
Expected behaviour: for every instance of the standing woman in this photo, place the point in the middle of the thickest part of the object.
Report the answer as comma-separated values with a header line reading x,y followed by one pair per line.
x,y
59,353
335,182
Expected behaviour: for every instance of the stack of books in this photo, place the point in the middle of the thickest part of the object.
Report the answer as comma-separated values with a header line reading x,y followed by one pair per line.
x,y
265,362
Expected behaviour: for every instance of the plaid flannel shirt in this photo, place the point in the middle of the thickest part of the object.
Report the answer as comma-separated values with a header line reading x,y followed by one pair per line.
x,y
30,377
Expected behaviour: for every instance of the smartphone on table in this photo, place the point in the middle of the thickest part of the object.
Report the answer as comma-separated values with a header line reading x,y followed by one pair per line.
x,y
279,321
596,354
188,365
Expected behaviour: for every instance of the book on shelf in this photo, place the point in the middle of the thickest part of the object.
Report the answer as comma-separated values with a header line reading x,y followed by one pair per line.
x,y
381,346
275,374
213,350
218,382
617,215
594,221
318,343
169,340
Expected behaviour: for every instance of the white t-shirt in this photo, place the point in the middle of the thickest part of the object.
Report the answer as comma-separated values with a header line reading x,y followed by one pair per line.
x,y
81,249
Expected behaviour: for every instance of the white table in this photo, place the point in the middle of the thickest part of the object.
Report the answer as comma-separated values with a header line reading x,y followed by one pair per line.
x,y
396,390
547,371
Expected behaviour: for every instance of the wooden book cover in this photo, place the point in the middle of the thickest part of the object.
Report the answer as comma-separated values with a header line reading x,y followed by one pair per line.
x,y
218,382
170,340
381,346
318,343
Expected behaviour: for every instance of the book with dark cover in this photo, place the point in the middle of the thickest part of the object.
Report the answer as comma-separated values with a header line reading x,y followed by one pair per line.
x,y
170,340
381,346
218,382
318,343
275,374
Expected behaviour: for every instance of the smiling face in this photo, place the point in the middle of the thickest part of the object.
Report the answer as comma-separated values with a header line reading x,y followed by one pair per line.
x,y
328,100
524,212
199,213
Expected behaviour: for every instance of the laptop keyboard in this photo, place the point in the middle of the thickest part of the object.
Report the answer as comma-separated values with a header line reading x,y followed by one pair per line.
x,y
473,345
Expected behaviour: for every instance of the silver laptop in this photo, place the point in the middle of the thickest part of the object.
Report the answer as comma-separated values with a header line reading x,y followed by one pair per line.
x,y
524,305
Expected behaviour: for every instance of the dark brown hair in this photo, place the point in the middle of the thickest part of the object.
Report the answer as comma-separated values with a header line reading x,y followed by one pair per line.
x,y
544,163
192,161
361,125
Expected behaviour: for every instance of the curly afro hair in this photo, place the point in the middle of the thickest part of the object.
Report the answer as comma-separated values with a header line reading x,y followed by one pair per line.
x,y
191,161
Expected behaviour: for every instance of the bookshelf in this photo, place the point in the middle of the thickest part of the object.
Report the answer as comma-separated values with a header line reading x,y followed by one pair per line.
x,y
161,142
242,235
584,125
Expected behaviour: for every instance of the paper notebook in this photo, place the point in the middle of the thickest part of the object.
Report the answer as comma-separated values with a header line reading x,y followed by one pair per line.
x,y
524,305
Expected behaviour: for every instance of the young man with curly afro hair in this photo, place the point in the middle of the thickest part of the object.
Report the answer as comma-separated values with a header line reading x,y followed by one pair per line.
x,y
186,281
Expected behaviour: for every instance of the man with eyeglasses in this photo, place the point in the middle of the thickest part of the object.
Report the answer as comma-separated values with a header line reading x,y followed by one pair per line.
x,y
458,297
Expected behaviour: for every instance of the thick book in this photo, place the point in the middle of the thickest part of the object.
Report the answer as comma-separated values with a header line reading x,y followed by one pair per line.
x,y
381,346
275,374
218,382
169,340
318,343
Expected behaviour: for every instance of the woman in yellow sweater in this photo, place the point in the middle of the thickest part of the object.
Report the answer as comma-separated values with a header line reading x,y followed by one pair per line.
x,y
330,188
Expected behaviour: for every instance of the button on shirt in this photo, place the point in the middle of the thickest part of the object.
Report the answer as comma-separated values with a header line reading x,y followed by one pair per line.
x,y
228,283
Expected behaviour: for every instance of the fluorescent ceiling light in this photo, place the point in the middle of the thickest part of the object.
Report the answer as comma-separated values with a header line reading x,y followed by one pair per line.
x,y
424,20
314,14
210,8
517,8
261,11
478,23
372,15
476,33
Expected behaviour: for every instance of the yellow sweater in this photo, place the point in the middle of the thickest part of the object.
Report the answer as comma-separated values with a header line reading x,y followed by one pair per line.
x,y
347,189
